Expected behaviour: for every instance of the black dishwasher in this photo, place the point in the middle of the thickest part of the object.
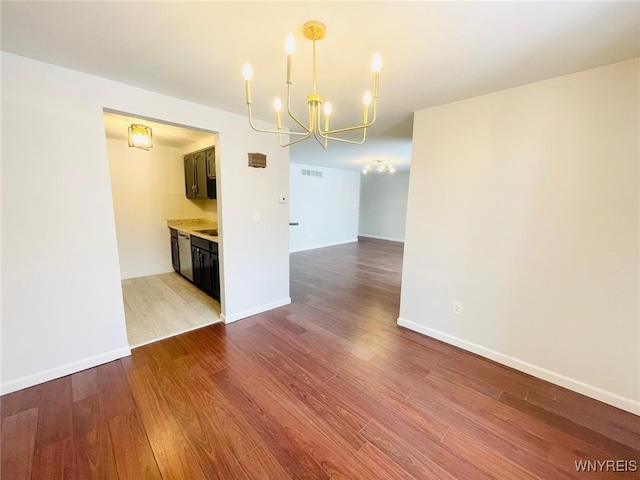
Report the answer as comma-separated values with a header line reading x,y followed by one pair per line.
x,y
206,265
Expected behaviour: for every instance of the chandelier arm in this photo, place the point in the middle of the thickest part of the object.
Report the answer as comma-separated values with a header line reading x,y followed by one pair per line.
x,y
327,134
304,127
262,130
317,130
314,120
322,144
364,126
357,127
356,142
307,135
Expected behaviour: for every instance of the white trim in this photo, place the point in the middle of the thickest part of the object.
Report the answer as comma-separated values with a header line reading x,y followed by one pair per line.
x,y
381,238
323,246
254,311
616,400
147,274
64,370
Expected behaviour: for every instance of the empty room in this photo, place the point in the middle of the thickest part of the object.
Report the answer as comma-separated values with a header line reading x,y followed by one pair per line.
x,y
316,240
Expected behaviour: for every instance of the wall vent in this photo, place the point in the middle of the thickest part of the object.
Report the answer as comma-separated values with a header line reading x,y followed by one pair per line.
x,y
311,173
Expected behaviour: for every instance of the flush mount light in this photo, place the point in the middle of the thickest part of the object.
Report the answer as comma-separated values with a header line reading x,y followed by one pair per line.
x,y
379,168
314,31
140,136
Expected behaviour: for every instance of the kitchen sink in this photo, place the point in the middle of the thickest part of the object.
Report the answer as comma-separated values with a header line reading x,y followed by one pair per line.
x,y
209,231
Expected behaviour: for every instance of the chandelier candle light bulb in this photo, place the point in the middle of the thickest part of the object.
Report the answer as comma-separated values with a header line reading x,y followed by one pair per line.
x,y
327,113
247,73
376,65
277,104
314,31
290,48
367,101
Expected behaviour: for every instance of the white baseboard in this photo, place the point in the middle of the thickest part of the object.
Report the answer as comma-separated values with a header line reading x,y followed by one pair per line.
x,y
605,396
147,274
323,246
254,311
63,370
391,239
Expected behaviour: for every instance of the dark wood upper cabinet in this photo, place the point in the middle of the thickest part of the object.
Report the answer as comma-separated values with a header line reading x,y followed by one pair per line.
x,y
200,161
210,155
190,176
200,174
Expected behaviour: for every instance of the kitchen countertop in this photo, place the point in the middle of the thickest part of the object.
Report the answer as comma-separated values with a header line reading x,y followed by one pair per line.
x,y
191,227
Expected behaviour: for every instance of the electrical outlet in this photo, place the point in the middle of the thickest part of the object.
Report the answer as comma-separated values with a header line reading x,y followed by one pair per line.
x,y
256,216
457,308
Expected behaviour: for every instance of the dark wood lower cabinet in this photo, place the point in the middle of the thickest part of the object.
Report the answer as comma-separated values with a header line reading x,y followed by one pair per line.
x,y
206,266
175,250
215,275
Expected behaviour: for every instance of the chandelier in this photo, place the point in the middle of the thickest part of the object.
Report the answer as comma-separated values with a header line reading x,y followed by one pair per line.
x,y
314,31
380,168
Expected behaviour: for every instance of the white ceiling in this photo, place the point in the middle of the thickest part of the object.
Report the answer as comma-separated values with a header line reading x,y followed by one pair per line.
x,y
169,135
433,53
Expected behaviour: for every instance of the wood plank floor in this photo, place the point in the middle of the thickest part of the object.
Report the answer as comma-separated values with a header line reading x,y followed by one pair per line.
x,y
327,387
161,306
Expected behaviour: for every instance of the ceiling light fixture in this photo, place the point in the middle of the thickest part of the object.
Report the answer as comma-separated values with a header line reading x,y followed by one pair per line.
x,y
140,136
315,30
379,168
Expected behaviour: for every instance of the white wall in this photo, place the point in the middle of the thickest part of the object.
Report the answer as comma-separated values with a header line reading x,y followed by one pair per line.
x,y
383,205
325,207
523,205
62,307
148,190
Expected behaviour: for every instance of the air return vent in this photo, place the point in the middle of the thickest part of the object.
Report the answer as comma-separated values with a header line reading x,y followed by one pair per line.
x,y
311,173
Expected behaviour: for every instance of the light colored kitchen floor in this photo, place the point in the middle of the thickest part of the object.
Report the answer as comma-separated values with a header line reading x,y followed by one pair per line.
x,y
161,306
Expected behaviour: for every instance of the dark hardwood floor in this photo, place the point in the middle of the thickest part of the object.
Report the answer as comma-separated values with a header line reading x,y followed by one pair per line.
x,y
328,387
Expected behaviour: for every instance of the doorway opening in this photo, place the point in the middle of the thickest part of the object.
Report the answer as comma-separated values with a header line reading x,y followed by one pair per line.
x,y
149,196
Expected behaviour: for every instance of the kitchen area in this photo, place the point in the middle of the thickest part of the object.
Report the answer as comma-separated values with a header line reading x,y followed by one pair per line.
x,y
194,254
165,207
